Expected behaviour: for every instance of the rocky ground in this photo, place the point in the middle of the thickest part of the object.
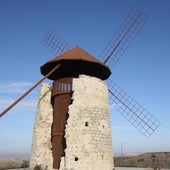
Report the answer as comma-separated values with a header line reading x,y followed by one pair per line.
x,y
162,159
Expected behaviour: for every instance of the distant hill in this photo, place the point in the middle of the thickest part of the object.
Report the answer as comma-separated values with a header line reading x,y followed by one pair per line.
x,y
144,160
22,156
140,161
11,163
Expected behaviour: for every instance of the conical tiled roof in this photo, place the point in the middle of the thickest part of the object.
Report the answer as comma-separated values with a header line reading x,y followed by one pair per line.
x,y
75,62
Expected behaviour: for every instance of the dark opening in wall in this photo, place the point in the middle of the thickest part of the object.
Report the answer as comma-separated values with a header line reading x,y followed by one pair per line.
x,y
76,158
87,124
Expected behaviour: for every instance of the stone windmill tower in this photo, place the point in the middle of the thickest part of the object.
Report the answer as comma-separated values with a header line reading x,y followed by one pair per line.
x,y
72,128
80,132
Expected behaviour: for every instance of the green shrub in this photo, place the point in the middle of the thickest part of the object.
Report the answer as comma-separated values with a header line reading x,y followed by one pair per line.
x,y
37,167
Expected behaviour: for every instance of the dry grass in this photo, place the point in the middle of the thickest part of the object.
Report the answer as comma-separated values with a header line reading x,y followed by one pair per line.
x,y
144,160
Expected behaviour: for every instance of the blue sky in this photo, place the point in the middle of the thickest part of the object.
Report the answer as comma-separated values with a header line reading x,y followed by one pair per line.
x,y
143,71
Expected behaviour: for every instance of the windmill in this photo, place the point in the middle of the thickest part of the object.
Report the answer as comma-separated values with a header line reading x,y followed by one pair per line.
x,y
139,117
136,114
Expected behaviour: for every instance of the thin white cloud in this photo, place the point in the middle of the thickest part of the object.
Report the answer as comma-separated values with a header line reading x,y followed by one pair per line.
x,y
10,91
14,87
25,104
30,104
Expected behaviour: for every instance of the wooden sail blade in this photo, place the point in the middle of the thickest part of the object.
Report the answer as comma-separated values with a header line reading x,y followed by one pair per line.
x,y
28,91
55,44
125,34
138,116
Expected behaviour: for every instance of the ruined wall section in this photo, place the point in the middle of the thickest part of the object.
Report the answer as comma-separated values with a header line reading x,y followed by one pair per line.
x,y
88,129
41,142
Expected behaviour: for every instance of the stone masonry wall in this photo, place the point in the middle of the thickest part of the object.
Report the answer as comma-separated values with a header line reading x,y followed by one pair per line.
x,y
41,142
87,133
88,129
